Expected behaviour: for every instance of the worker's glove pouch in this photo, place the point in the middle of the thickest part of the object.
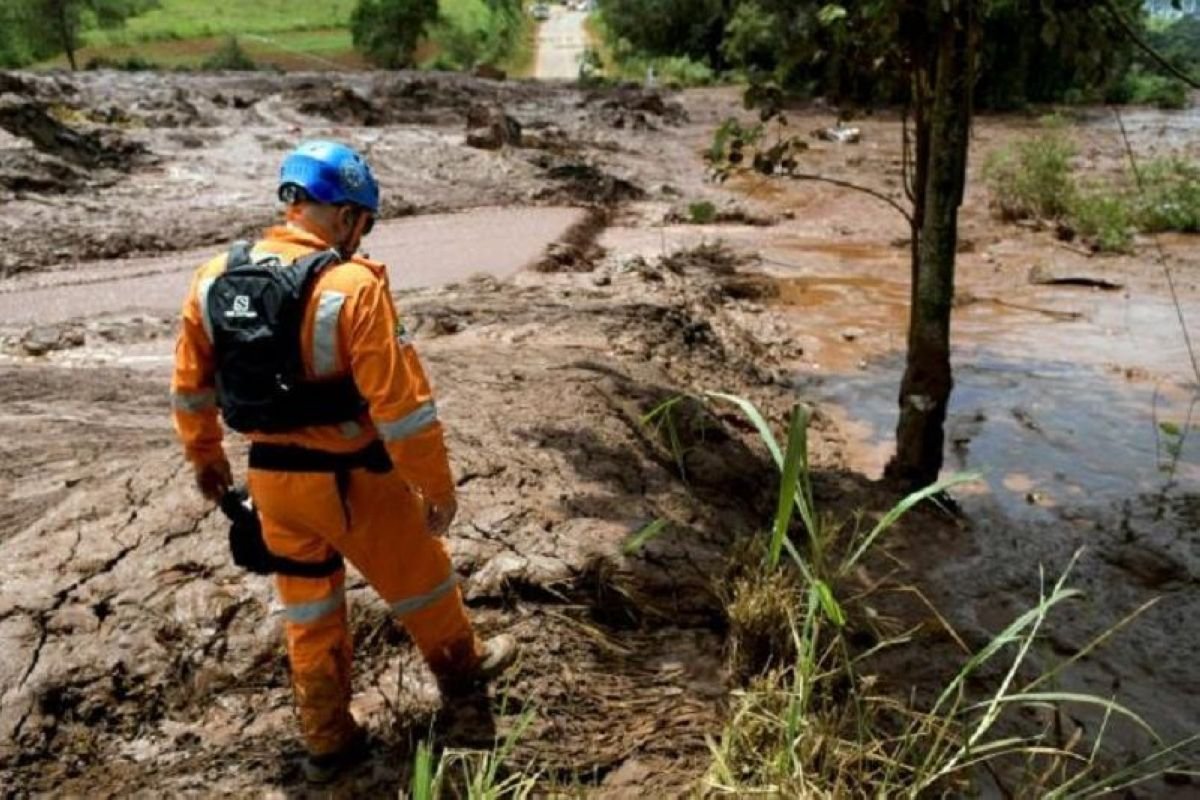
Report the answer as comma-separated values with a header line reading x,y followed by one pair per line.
x,y
246,543
249,549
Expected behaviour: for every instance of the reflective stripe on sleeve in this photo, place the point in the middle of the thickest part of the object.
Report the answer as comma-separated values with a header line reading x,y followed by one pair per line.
x,y
202,298
194,402
325,334
304,613
413,604
410,424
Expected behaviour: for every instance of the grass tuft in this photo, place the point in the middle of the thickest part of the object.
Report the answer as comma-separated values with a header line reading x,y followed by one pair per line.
x,y
813,721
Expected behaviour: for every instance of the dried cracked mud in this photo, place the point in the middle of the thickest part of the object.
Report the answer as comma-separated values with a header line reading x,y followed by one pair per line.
x,y
135,659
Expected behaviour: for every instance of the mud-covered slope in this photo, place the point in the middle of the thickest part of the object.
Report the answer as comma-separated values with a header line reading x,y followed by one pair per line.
x,y
108,165
136,657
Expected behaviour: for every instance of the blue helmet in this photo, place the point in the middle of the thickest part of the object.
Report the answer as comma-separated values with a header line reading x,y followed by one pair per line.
x,y
330,173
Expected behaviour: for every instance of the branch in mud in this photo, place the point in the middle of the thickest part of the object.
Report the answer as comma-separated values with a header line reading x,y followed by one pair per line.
x,y
806,176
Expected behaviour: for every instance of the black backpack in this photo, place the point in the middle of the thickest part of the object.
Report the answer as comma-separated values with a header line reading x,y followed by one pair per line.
x,y
256,310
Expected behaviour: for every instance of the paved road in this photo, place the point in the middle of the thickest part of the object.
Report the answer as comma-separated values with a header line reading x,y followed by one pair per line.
x,y
419,251
561,42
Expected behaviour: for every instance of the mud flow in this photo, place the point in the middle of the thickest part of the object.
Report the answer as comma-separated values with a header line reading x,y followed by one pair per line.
x,y
537,244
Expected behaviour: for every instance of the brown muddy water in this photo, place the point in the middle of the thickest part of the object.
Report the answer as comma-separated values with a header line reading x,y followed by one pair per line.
x,y
1061,392
427,250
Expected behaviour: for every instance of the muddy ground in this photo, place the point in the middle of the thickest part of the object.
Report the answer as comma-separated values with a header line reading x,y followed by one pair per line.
x,y
136,658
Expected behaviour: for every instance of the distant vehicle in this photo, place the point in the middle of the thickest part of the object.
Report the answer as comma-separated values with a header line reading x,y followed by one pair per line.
x,y
541,12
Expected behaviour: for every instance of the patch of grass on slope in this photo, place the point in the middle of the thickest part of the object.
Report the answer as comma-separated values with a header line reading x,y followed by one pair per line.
x,y
188,19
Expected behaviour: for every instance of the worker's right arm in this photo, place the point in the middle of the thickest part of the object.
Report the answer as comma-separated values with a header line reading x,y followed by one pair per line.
x,y
193,389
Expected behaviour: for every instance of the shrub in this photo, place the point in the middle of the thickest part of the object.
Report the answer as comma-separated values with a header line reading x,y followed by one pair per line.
x,y
1170,197
230,56
1103,216
1157,90
1032,178
702,212
387,31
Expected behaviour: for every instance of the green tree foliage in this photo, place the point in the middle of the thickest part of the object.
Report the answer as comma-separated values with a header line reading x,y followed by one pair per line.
x,y
31,30
1028,50
478,32
692,28
388,31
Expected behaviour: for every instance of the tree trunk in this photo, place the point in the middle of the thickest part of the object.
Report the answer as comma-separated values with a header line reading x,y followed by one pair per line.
x,y
65,32
925,390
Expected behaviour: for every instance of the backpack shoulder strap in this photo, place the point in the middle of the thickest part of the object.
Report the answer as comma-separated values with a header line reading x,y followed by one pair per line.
x,y
239,255
306,268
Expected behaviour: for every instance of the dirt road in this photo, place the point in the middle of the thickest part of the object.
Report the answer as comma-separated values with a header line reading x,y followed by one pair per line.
x,y
561,42
419,251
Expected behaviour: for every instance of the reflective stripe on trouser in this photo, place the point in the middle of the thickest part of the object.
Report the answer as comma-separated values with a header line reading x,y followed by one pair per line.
x,y
387,541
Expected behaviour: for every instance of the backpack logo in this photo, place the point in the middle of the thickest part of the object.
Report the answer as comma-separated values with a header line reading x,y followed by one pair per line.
x,y
241,308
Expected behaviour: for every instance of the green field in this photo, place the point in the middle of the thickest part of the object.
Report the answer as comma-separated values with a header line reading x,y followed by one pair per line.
x,y
187,19
288,34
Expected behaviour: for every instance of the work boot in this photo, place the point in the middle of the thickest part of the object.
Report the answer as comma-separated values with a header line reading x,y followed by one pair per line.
x,y
499,653
325,768
496,655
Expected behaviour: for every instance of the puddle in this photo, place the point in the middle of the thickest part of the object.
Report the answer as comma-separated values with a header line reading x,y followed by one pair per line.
x,y
1059,391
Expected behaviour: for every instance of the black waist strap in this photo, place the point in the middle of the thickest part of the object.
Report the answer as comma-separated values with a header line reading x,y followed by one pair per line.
x,y
292,458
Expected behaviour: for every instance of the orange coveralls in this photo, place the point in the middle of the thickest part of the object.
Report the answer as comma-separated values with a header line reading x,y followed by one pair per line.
x,y
351,327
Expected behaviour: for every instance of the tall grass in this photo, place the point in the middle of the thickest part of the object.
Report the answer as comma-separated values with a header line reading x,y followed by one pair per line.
x,y
811,721
473,774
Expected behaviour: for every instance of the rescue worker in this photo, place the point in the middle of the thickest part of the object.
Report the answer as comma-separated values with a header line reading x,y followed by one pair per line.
x,y
374,488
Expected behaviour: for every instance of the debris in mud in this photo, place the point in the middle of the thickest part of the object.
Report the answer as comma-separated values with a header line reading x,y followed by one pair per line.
x,y
1043,275
717,258
31,120
635,108
48,338
489,128
489,72
577,250
580,182
543,135
337,103
839,135
28,170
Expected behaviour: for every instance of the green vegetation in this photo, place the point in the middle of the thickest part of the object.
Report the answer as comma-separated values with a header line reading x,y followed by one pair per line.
x,y
473,774
387,31
1032,178
1029,50
811,721
619,59
303,34
1169,199
1102,215
187,19
1035,179
231,56
472,32
34,29
1148,88
702,212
